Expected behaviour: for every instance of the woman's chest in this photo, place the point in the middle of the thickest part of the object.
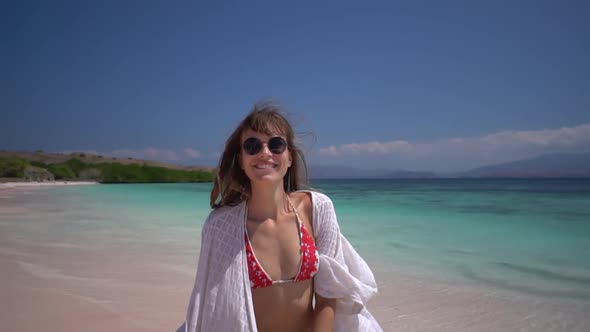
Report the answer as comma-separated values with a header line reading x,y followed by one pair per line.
x,y
276,247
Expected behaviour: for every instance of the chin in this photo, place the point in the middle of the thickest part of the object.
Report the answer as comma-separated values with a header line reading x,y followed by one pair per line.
x,y
266,178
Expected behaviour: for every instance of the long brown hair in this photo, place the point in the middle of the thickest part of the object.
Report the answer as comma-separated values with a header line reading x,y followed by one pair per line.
x,y
231,183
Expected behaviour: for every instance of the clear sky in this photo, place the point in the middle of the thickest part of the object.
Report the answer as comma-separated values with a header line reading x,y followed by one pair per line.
x,y
420,85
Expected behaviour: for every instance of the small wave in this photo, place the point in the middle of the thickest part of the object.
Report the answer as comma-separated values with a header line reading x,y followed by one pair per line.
x,y
398,245
45,272
62,245
501,210
458,251
12,252
546,274
187,271
10,210
50,209
526,289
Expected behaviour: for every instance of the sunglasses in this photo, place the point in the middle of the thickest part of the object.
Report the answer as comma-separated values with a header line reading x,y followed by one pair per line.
x,y
253,145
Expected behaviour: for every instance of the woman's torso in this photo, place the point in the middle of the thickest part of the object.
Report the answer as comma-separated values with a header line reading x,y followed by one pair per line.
x,y
276,244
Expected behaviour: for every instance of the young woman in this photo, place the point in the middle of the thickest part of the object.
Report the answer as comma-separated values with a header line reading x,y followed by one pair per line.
x,y
272,256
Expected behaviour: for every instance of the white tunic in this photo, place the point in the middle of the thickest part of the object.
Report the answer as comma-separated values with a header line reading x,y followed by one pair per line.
x,y
222,299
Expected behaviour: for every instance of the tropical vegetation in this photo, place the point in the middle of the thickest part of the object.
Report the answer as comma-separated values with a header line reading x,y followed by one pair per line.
x,y
108,172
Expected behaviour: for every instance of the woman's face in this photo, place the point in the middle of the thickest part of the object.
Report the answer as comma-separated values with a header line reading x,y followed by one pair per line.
x,y
267,163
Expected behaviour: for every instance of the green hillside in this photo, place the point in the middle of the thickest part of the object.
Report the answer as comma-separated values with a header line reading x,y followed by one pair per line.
x,y
75,169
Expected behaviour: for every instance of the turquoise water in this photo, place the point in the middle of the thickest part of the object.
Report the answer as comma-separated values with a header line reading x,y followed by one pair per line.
x,y
528,236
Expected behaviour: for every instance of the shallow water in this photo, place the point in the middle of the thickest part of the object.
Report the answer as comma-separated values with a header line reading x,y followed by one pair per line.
x,y
525,236
530,236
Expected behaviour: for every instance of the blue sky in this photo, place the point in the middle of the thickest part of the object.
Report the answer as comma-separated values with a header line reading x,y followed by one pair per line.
x,y
422,85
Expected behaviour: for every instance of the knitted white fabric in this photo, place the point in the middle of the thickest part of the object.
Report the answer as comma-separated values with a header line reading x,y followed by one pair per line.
x,y
222,299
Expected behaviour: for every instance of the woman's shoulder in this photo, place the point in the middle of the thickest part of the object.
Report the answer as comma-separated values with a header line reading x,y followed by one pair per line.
x,y
225,215
323,215
317,203
316,198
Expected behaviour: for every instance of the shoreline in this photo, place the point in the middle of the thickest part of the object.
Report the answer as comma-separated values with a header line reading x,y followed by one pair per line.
x,y
111,294
28,184
410,303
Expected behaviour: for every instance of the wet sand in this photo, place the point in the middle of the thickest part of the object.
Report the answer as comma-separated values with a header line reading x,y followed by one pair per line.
x,y
77,284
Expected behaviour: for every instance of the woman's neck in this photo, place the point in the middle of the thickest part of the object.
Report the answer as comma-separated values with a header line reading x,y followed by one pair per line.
x,y
267,202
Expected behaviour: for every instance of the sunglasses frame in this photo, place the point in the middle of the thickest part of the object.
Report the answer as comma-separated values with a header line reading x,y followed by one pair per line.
x,y
258,145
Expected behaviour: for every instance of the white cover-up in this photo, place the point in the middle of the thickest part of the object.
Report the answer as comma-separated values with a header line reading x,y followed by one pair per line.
x,y
222,299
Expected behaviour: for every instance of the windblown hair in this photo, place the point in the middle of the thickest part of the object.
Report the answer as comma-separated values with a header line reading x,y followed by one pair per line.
x,y
232,186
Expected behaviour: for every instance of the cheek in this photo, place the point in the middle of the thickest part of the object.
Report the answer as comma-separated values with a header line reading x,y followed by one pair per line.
x,y
240,161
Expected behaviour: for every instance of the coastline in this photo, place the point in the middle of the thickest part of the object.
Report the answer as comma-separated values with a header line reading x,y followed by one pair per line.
x,y
29,184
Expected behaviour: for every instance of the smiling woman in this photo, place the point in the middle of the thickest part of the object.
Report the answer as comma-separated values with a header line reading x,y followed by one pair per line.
x,y
272,256
256,131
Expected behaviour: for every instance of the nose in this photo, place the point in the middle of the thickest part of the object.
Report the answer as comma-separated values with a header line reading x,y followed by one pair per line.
x,y
265,150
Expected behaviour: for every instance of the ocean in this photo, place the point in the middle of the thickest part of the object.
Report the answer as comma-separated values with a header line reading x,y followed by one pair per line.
x,y
527,236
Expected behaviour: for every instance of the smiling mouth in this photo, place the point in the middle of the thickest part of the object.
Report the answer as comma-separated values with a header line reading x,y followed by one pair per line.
x,y
265,166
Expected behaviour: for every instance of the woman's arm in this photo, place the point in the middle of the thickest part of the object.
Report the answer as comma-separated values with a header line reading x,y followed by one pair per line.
x,y
323,314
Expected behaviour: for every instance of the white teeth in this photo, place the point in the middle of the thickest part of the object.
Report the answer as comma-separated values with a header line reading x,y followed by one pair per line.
x,y
263,166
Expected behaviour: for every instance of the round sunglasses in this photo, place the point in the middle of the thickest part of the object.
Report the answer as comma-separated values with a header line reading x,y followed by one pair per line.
x,y
253,145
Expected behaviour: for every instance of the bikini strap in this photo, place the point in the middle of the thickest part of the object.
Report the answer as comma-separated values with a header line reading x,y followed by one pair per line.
x,y
293,207
299,223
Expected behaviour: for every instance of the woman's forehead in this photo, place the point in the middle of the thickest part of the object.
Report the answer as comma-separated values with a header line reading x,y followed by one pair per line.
x,y
271,133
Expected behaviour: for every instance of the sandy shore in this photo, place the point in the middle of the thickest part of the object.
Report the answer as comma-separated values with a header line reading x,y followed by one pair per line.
x,y
127,291
8,185
415,304
81,284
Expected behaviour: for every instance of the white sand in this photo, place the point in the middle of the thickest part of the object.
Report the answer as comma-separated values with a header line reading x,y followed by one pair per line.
x,y
415,304
7,185
76,289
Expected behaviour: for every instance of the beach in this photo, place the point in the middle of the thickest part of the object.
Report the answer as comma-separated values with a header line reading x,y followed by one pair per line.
x,y
31,184
62,269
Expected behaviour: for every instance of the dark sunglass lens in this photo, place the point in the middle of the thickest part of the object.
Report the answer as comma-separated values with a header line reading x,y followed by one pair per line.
x,y
252,145
277,145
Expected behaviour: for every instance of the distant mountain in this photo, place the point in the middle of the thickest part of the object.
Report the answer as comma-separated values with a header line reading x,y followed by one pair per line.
x,y
334,172
401,174
342,172
548,165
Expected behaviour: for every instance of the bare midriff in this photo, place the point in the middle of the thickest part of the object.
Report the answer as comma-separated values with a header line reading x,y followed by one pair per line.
x,y
284,307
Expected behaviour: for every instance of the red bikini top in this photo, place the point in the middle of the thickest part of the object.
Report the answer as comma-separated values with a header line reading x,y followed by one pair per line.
x,y
308,264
